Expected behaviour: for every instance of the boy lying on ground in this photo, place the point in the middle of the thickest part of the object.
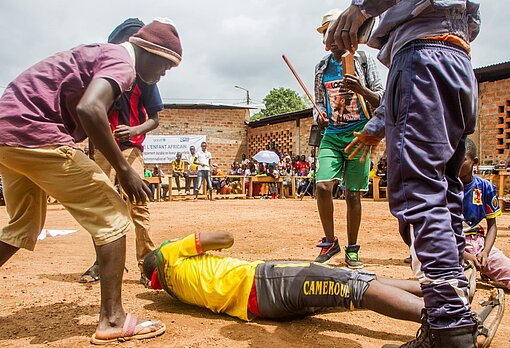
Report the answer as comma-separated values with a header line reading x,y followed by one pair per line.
x,y
275,290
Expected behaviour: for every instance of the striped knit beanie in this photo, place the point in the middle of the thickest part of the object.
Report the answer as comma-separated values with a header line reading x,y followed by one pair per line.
x,y
161,38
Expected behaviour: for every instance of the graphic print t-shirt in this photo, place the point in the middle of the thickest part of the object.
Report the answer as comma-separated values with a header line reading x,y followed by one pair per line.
x,y
480,202
344,110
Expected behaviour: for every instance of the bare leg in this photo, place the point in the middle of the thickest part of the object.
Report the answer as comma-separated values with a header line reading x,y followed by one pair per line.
x,y
111,259
353,200
412,286
6,252
392,302
325,207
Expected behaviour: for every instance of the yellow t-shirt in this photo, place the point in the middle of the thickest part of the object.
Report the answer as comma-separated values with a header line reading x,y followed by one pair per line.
x,y
222,284
177,167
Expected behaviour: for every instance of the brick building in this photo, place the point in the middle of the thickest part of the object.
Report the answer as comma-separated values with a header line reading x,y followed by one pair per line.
x,y
230,134
224,125
492,135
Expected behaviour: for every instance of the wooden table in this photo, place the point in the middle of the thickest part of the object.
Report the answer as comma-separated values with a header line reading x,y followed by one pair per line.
x,y
502,173
264,179
241,178
376,189
157,181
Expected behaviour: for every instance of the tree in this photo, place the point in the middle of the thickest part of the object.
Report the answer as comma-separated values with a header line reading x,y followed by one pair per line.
x,y
280,101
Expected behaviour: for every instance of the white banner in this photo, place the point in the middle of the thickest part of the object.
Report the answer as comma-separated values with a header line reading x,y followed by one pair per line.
x,y
159,149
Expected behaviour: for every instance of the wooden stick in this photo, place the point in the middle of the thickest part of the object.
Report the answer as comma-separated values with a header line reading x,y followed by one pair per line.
x,y
304,88
348,68
348,64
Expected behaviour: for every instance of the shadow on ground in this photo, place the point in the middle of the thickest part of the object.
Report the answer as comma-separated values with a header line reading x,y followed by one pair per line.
x,y
50,323
306,332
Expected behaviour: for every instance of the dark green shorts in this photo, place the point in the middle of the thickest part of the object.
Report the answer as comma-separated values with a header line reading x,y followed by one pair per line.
x,y
334,164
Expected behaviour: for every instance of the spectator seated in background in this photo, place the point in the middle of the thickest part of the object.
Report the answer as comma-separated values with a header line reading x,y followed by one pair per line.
x,y
304,162
302,182
218,180
261,188
250,170
244,160
381,171
157,172
178,172
272,172
235,183
287,179
286,163
148,174
296,164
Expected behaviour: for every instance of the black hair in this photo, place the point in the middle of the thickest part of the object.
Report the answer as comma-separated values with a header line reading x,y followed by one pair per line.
x,y
149,264
471,149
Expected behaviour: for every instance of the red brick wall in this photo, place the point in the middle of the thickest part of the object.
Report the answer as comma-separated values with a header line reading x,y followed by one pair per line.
x,y
493,129
228,136
225,129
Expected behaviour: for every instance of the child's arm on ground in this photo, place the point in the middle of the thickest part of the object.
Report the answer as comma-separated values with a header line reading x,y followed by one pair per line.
x,y
216,241
490,238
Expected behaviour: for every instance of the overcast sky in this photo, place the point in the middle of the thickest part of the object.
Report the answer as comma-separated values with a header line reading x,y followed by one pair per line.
x,y
225,42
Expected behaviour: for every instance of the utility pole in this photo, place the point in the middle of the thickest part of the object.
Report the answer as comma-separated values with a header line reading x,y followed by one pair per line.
x,y
247,94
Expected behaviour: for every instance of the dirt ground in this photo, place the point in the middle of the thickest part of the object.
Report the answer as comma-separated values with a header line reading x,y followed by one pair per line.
x,y
43,305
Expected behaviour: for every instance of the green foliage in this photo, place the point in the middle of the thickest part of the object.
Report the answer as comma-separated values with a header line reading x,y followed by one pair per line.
x,y
257,116
280,101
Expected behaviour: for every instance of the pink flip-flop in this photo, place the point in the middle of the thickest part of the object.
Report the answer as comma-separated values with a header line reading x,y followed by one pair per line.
x,y
133,331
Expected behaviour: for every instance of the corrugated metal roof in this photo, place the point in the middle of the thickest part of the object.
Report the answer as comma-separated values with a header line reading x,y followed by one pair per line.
x,y
281,118
494,72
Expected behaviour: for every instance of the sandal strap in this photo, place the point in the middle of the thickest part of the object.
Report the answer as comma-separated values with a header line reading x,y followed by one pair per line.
x,y
129,327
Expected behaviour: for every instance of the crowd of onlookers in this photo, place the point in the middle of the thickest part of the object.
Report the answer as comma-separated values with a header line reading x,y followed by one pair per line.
x,y
299,169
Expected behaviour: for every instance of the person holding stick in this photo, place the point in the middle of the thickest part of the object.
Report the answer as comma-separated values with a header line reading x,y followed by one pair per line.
x,y
340,92
426,115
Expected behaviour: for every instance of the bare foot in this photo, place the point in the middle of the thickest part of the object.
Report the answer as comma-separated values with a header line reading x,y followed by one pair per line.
x,y
132,329
91,275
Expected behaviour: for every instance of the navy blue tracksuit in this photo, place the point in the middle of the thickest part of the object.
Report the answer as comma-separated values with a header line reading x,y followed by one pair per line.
x,y
430,107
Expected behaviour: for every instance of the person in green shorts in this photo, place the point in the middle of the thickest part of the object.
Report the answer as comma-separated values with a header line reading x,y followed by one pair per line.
x,y
338,96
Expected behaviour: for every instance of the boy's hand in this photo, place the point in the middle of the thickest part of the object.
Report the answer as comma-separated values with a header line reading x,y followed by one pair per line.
x,y
323,120
483,258
363,141
353,83
134,186
473,259
343,33
124,133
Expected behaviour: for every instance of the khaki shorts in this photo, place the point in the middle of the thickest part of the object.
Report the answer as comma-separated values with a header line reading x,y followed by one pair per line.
x,y
68,175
